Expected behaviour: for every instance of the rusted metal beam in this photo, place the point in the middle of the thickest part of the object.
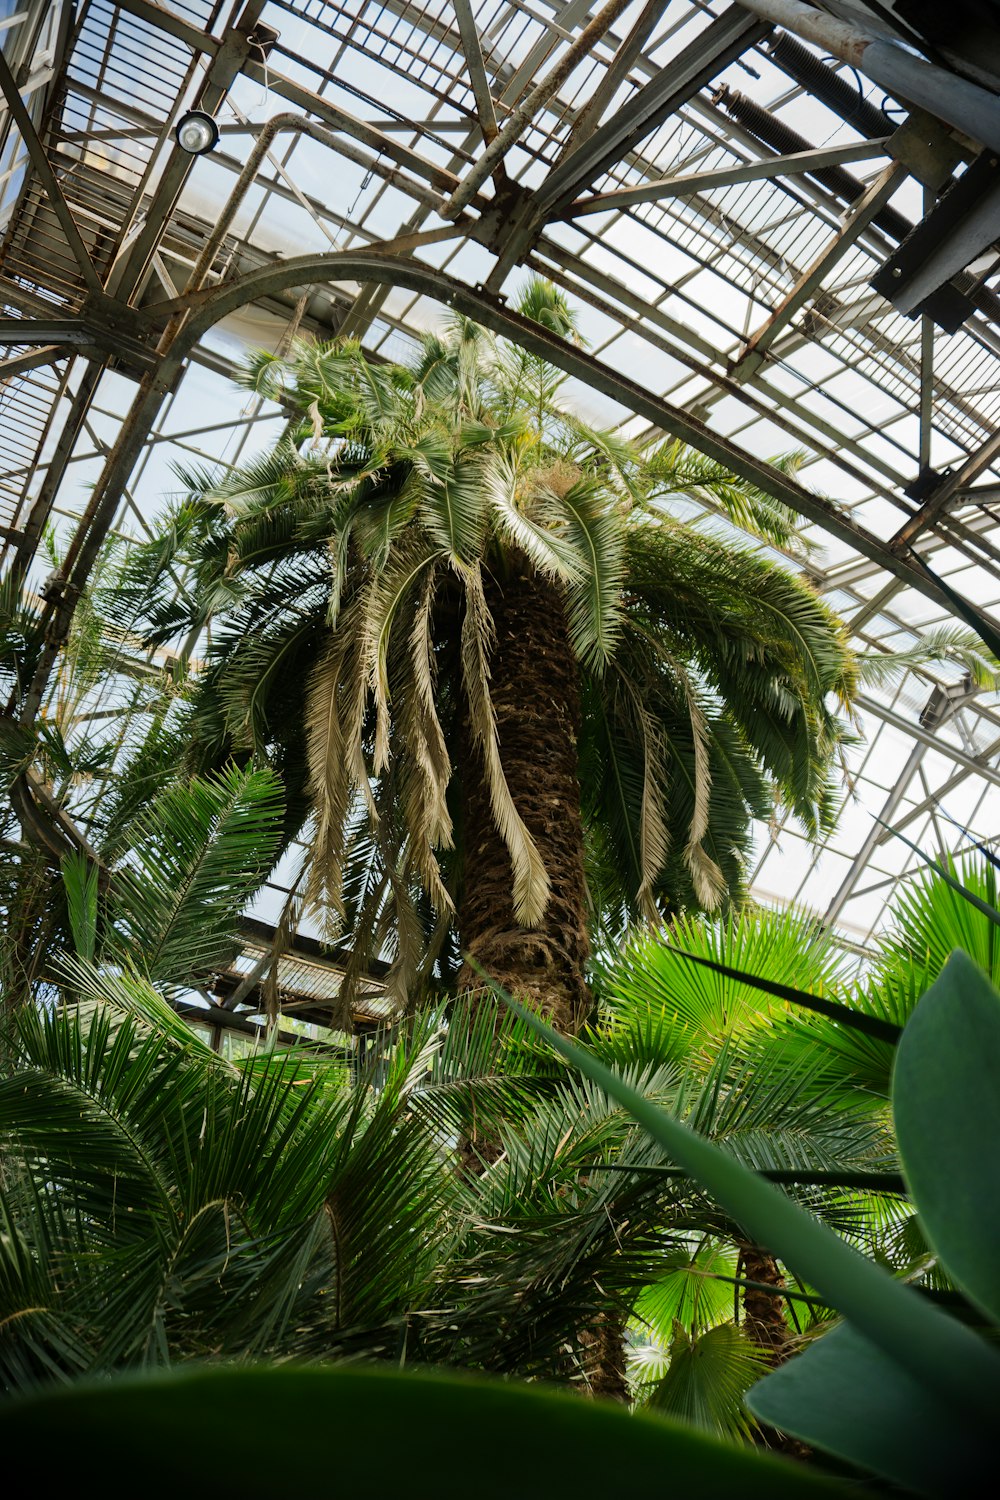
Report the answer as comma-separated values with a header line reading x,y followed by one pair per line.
x,y
954,484
855,222
723,40
520,118
473,50
615,75
230,58
702,182
31,359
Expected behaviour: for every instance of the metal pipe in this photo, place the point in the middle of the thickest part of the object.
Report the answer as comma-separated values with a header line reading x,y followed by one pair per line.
x,y
767,127
783,139
963,105
520,118
826,85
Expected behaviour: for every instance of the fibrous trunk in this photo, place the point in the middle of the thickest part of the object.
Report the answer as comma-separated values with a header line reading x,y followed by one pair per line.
x,y
765,1325
536,697
764,1311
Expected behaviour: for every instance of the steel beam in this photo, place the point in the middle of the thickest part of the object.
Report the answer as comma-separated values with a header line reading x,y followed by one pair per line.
x,y
928,738
519,119
373,265
522,76
722,41
615,75
860,861
42,165
302,98
702,182
68,332
477,71
20,364
942,707
339,119
228,61
948,96
809,428
983,768
955,484
854,224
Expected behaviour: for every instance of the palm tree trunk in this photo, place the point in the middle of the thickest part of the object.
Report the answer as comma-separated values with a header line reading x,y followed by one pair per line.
x,y
536,696
764,1323
764,1313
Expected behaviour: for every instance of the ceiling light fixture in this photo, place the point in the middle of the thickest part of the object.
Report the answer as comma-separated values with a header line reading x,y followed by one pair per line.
x,y
196,132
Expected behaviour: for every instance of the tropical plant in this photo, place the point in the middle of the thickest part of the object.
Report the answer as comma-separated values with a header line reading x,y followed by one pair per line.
x,y
84,774
160,1203
901,1388
577,1216
732,984
439,565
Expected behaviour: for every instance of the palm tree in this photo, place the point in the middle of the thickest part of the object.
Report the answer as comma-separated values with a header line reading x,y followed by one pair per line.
x,y
439,565
159,1203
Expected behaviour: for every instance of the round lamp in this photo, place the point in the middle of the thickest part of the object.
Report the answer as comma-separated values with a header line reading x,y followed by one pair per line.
x,y
196,132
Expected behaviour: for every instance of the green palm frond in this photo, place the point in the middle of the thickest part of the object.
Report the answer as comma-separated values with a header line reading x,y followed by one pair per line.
x,y
930,920
594,600
169,1205
699,1007
945,643
330,593
198,854
675,469
707,1380
452,509
688,1291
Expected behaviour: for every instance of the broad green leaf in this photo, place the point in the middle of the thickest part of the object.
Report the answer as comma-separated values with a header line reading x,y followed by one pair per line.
x,y
443,1437
846,1397
947,1111
872,1025
689,1291
947,1358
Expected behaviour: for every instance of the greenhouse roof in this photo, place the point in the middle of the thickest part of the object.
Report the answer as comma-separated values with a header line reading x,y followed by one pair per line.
x,y
777,244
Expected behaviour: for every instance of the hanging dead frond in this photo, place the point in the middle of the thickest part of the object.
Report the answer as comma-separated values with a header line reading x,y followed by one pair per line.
x,y
531,881
654,835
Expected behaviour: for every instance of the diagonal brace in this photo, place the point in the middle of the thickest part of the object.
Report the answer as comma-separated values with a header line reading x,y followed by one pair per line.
x,y
43,167
853,225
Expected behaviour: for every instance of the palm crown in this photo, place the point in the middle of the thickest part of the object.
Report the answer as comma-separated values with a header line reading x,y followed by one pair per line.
x,y
429,550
